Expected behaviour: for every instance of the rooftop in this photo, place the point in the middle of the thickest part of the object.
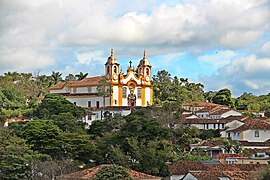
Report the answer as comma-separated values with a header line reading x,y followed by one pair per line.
x,y
253,124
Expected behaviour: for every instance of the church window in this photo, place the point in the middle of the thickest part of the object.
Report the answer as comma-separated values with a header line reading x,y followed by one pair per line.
x,y
139,93
131,86
257,133
124,92
108,69
115,102
114,69
147,71
89,89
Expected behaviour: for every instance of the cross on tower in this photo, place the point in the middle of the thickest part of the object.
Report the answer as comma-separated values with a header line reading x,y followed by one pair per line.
x,y
130,62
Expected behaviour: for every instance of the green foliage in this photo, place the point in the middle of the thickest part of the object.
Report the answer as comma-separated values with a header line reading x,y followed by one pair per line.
x,y
67,123
43,136
112,172
16,157
175,89
248,101
54,104
81,76
209,134
224,97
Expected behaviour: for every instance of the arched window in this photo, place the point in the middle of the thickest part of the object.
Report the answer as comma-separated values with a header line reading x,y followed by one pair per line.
x,y
114,69
108,69
147,71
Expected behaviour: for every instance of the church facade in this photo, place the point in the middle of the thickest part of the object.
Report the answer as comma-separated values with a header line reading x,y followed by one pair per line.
x,y
115,90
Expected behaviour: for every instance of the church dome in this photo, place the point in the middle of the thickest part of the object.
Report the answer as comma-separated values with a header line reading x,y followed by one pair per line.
x,y
144,61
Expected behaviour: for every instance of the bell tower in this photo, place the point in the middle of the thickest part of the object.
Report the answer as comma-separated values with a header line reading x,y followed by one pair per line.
x,y
144,68
112,67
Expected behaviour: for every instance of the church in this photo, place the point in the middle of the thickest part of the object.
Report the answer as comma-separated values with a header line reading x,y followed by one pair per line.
x,y
115,92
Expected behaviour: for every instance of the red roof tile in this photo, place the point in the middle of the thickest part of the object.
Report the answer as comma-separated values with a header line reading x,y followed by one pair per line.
x,y
200,104
183,167
92,81
91,173
224,156
59,85
253,124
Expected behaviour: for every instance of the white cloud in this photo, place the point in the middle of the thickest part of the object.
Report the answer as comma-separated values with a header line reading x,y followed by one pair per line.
x,y
265,49
23,59
92,57
250,74
218,59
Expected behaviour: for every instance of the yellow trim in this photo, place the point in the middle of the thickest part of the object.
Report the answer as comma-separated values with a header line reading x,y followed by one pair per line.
x,y
242,135
151,96
143,97
111,97
120,93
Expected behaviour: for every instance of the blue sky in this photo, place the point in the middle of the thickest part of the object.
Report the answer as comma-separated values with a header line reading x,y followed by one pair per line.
x,y
220,43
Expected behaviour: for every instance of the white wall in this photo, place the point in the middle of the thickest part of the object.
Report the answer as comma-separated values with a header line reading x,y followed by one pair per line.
x,y
83,101
231,113
249,135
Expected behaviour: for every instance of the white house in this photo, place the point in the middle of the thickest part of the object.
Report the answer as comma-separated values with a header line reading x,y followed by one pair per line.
x,y
251,131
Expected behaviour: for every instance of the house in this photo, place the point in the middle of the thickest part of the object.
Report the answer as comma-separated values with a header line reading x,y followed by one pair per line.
x,y
210,147
198,105
199,171
90,173
201,123
251,131
133,89
226,158
262,146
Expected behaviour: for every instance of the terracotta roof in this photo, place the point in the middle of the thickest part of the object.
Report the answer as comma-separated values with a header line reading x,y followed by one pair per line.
x,y
206,175
91,173
59,85
224,156
183,167
92,81
263,144
219,111
209,143
252,124
203,121
199,104
212,171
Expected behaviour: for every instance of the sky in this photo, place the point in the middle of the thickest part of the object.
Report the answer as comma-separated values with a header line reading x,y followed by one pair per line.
x,y
219,43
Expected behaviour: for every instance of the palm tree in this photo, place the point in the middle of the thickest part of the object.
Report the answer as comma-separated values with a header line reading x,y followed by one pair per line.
x,y
104,89
56,77
81,76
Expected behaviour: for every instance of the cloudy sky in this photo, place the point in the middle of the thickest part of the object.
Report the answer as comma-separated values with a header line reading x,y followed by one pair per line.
x,y
220,43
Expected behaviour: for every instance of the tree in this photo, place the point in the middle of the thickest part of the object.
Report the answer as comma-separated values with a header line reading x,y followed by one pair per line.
x,y
56,77
162,83
224,97
16,157
43,136
104,89
81,76
112,172
54,104
70,77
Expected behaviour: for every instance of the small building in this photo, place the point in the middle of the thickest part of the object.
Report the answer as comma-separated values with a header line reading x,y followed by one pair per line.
x,y
251,131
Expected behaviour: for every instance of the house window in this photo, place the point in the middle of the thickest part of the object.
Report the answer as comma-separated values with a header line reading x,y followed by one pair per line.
x,y
89,89
139,93
124,92
74,103
257,134
97,105
89,117
89,103
74,90
214,126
